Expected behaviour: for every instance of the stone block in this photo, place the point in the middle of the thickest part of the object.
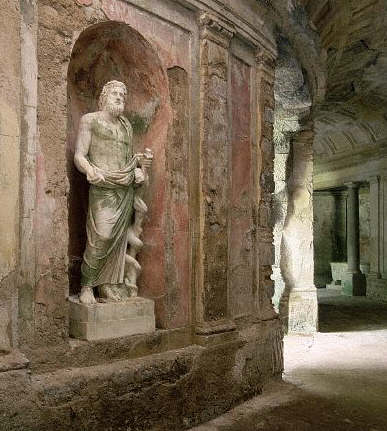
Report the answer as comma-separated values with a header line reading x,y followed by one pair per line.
x,y
339,273
303,312
102,321
335,286
338,270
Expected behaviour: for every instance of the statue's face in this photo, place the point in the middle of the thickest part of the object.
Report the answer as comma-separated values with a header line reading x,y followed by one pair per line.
x,y
115,100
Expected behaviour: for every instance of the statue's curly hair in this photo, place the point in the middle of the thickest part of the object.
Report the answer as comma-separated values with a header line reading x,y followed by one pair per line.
x,y
105,90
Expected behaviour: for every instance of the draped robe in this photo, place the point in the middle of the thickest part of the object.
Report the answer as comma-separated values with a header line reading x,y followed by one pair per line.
x,y
110,203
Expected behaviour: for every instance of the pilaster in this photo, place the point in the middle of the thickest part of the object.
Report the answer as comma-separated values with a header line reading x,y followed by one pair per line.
x,y
265,75
212,296
377,278
375,227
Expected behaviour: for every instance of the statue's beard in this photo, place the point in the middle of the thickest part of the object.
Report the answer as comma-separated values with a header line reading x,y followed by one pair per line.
x,y
114,108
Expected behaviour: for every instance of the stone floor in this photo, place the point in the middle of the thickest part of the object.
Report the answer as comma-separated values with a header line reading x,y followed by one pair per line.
x,y
335,380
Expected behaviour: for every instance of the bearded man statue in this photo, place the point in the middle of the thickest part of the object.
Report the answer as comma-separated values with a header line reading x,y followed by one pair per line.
x,y
104,153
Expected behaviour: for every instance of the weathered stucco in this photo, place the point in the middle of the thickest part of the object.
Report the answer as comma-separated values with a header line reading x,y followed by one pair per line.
x,y
9,170
201,96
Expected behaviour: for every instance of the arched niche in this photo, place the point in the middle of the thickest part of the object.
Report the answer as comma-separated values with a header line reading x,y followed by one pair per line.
x,y
103,52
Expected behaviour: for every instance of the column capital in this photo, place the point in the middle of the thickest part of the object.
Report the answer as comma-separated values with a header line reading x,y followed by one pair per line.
x,y
216,29
383,175
352,184
374,179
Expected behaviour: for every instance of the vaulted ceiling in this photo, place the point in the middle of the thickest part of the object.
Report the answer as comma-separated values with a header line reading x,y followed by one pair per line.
x,y
353,118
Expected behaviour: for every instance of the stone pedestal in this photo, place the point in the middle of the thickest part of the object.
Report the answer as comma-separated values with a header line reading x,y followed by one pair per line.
x,y
303,312
338,270
334,286
102,321
340,274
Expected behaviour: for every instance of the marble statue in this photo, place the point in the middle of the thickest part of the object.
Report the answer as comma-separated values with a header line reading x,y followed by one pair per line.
x,y
104,153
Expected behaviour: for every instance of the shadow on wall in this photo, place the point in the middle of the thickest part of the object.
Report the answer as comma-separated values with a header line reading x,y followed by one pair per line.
x,y
105,52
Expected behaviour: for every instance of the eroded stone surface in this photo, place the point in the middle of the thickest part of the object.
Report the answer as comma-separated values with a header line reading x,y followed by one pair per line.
x,y
111,320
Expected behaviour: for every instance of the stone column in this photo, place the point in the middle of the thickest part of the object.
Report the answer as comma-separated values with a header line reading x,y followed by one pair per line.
x,y
375,246
353,244
377,279
299,302
212,296
355,282
383,228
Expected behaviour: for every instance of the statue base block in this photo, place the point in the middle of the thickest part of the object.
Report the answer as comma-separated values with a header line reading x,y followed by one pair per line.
x,y
103,321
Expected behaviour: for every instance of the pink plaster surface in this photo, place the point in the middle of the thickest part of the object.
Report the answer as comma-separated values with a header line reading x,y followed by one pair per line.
x,y
182,256
152,279
171,43
240,251
241,141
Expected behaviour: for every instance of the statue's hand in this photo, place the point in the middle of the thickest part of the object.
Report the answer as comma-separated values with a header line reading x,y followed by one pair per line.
x,y
139,176
94,176
145,159
146,163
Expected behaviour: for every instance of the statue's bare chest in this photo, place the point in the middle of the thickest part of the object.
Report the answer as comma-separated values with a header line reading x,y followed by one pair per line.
x,y
110,146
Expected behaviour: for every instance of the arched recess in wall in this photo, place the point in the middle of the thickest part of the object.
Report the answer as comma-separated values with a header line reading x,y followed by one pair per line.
x,y
104,52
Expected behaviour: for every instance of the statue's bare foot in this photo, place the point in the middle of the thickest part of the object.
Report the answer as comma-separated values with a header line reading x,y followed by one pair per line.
x,y
131,289
107,293
122,292
87,296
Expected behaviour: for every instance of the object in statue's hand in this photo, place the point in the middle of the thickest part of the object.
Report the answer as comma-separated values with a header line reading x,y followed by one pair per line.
x,y
139,176
147,159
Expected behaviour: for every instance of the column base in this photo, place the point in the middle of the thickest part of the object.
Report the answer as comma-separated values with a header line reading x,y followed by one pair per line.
x,y
109,320
354,284
303,312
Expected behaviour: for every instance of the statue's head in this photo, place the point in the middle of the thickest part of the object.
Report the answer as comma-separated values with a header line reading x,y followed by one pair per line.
x,y
112,97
